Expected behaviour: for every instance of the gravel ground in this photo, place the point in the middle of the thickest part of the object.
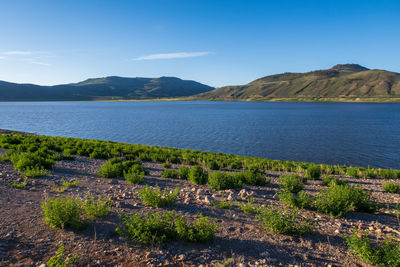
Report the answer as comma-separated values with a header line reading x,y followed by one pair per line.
x,y
25,239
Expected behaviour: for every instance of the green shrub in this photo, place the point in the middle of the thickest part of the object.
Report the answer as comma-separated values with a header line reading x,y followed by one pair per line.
x,y
283,223
249,207
253,176
313,172
156,198
60,259
327,181
111,170
200,230
302,200
222,180
170,174
222,204
17,185
99,154
386,253
197,175
68,212
391,187
161,227
353,172
153,228
292,183
166,165
183,172
212,165
35,172
25,161
337,200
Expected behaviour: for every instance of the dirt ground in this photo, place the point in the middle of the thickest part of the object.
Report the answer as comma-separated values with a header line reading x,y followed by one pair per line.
x,y
26,240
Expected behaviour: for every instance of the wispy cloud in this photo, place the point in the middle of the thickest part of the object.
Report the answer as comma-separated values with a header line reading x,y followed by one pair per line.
x,y
37,61
18,53
2,58
172,55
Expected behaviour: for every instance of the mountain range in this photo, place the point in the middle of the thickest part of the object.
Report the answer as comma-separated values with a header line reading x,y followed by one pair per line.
x,y
340,83
107,88
343,81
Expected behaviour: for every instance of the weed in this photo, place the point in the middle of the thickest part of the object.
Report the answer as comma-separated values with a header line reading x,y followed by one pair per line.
x,y
287,223
156,198
74,183
327,181
60,259
301,200
249,207
18,185
292,183
386,253
222,204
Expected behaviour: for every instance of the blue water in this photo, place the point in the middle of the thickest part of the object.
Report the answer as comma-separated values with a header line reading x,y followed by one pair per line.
x,y
358,134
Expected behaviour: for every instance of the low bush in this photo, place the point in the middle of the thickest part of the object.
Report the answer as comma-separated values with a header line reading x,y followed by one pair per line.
x,y
35,172
313,172
60,259
391,187
213,165
327,181
197,175
249,207
223,180
287,223
111,170
68,212
162,227
170,174
386,253
157,198
133,178
253,176
301,200
24,161
183,172
117,168
337,200
292,183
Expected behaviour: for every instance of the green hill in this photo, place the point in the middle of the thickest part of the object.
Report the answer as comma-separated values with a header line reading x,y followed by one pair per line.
x,y
342,82
108,88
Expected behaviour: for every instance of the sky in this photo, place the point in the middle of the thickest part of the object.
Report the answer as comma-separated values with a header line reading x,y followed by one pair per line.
x,y
215,42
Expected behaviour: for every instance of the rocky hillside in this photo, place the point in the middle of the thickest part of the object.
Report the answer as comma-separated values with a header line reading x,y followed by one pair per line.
x,y
341,81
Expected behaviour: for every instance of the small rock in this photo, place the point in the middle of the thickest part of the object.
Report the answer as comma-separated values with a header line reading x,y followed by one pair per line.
x,y
208,200
231,197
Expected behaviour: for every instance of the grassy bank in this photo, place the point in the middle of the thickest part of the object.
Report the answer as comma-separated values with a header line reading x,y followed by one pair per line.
x,y
34,152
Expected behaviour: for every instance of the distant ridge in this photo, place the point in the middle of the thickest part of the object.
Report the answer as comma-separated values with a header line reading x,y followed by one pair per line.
x,y
342,81
106,88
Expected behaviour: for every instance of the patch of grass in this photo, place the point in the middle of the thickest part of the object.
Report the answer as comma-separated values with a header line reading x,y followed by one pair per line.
x,y
60,259
74,183
18,185
386,253
198,175
68,212
222,204
157,198
170,174
287,223
162,227
35,172
249,207
327,181
301,200
338,200
391,187
292,183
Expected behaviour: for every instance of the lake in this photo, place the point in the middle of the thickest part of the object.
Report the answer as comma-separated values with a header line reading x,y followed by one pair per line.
x,y
357,134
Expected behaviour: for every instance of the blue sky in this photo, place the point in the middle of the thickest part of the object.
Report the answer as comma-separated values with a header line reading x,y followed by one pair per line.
x,y
214,42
